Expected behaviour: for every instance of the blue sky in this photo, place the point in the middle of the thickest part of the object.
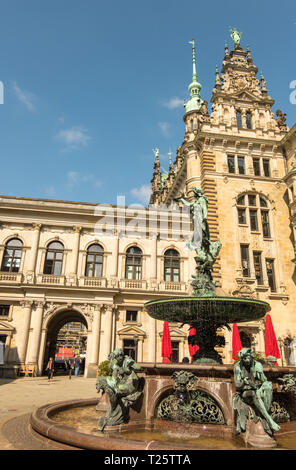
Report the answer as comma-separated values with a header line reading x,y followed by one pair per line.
x,y
91,87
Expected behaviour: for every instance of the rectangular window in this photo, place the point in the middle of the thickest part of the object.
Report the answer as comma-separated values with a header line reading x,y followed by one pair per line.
x,y
131,315
253,220
256,166
245,260
248,120
175,350
242,216
231,164
266,169
270,274
130,348
258,267
4,310
241,165
239,119
265,224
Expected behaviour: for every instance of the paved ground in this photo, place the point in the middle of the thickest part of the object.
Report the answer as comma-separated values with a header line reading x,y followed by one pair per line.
x,y
19,397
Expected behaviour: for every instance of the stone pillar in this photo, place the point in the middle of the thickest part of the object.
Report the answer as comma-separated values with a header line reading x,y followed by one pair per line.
x,y
7,348
244,118
34,252
24,330
37,327
42,350
114,260
153,265
113,339
96,325
140,349
75,253
152,340
107,329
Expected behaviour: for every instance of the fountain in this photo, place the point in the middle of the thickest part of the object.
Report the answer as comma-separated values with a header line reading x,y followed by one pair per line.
x,y
201,405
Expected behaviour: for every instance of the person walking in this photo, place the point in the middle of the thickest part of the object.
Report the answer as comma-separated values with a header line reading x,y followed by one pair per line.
x,y
50,368
69,367
76,365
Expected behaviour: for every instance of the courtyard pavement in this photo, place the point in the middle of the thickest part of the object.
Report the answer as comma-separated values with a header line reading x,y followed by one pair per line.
x,y
19,397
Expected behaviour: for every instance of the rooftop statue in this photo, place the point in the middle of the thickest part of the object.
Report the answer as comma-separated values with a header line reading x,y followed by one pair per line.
x,y
123,388
156,152
236,36
254,393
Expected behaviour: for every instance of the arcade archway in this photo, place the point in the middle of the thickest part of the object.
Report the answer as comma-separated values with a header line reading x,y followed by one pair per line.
x,y
67,329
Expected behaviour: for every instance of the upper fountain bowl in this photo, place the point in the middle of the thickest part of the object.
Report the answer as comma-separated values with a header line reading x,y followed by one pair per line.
x,y
219,309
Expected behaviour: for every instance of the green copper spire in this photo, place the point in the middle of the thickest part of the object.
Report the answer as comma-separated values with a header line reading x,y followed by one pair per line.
x,y
195,101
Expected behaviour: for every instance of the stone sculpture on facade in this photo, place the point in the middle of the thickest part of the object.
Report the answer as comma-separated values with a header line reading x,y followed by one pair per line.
x,y
123,388
254,393
281,120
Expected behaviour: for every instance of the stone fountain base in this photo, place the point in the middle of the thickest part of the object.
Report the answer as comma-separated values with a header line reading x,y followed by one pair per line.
x,y
216,381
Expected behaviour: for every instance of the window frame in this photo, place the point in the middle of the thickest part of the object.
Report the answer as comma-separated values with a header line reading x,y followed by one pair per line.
x,y
52,263
128,348
169,268
97,255
5,266
271,279
131,259
246,271
258,262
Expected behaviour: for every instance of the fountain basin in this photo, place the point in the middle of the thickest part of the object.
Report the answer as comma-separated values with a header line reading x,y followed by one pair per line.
x,y
145,431
218,309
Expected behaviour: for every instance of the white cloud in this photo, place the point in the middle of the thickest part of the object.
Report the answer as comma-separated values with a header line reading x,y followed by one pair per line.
x,y
143,193
165,128
74,137
25,97
174,103
74,178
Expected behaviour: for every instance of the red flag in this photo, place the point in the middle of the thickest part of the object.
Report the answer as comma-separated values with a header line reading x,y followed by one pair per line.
x,y
271,344
192,349
166,350
236,341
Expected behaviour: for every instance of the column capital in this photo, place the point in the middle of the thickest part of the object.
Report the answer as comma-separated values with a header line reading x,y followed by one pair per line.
x,y
37,227
26,303
39,303
77,229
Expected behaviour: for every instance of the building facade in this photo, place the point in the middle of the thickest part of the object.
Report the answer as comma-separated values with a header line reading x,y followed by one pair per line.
x,y
64,262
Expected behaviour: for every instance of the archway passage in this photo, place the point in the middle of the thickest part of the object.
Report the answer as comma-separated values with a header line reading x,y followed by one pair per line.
x,y
66,337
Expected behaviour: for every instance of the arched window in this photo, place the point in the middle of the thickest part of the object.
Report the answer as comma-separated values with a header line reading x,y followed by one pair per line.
x,y
12,255
94,261
171,266
133,263
54,259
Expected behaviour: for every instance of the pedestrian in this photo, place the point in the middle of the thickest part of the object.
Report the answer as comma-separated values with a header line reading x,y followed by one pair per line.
x,y
69,367
50,368
76,365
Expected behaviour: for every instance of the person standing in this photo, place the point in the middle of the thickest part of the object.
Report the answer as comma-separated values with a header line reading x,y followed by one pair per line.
x,y
50,368
76,365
